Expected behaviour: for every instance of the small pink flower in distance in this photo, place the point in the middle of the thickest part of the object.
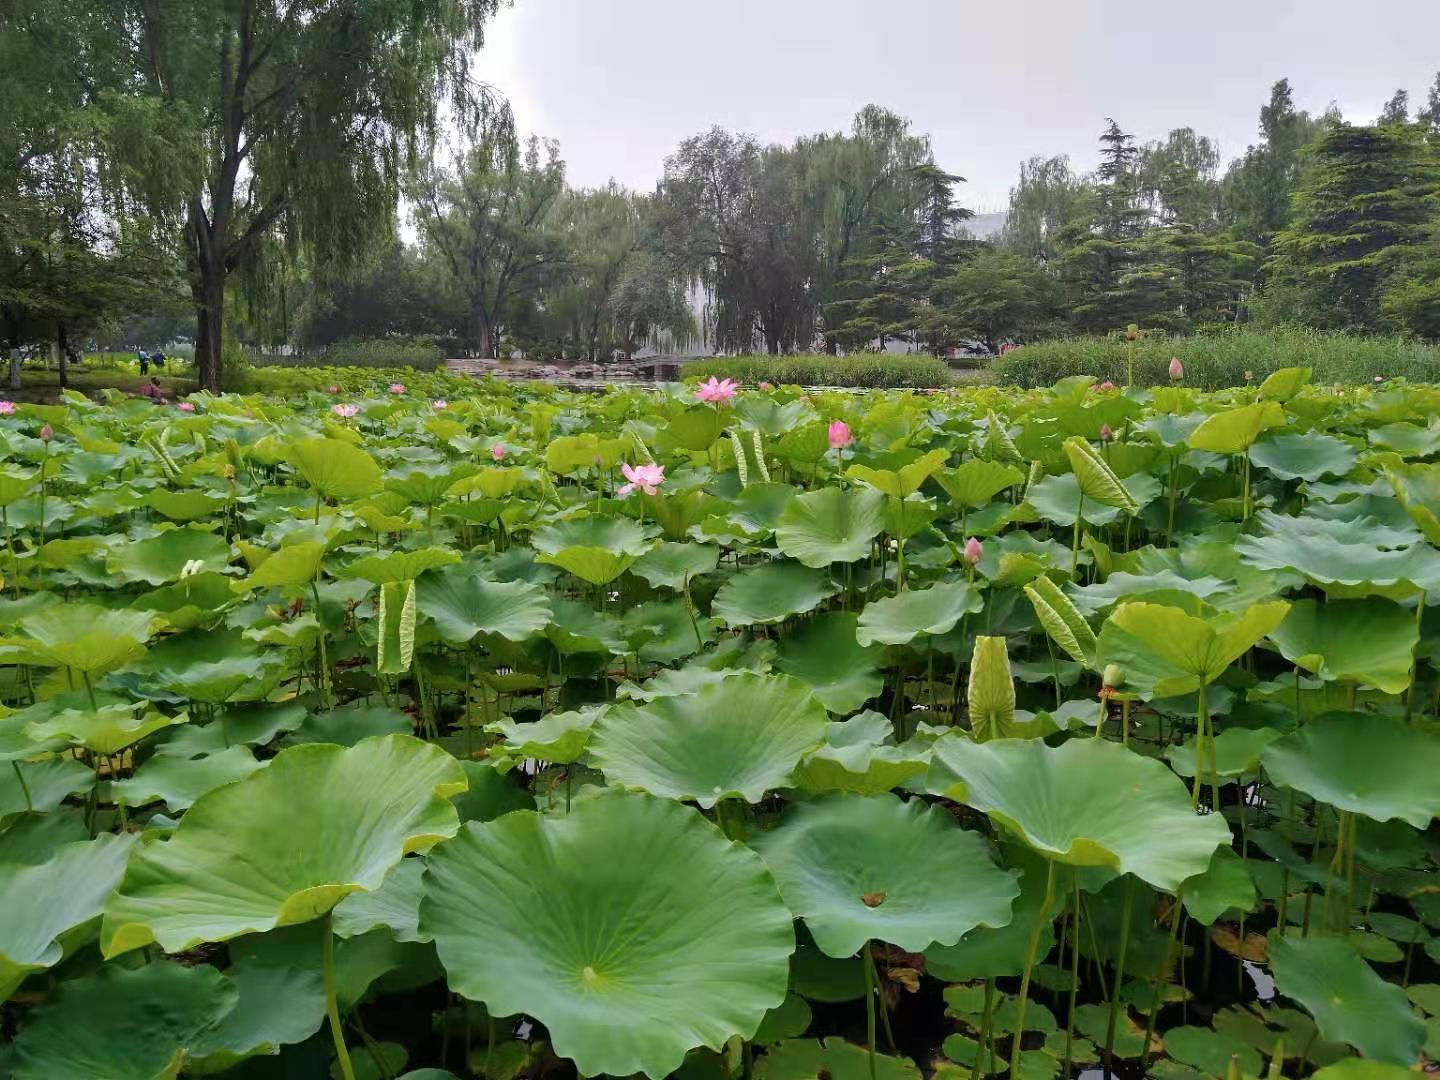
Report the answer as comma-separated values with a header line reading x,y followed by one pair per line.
x,y
397,387
973,551
839,434
1379,378
46,433
498,451
346,411
1177,369
333,389
1107,386
717,391
440,404
647,478
1106,433
186,406
7,408
766,386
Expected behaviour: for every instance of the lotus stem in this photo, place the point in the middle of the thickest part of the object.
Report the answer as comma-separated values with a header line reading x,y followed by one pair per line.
x,y
1041,918
1074,975
1170,483
884,1008
1125,909
985,1045
1164,972
89,690
1415,660
1075,540
324,660
1200,710
332,1008
869,967
24,787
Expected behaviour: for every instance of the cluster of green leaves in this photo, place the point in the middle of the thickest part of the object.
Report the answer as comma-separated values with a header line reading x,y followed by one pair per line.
x,y
872,370
397,737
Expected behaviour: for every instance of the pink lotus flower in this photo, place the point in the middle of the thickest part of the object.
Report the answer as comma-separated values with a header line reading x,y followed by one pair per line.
x,y
766,386
498,451
46,433
647,478
397,387
1106,433
333,389
1379,378
1177,369
839,433
973,551
440,404
7,408
1107,386
717,391
346,411
186,406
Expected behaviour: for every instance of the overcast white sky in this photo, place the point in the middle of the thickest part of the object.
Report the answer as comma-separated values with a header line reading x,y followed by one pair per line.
x,y
621,82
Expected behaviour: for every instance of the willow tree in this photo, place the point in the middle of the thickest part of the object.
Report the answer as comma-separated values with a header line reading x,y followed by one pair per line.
x,y
300,118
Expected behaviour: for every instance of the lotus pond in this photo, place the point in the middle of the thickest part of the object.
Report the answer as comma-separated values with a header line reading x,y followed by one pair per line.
x,y
722,735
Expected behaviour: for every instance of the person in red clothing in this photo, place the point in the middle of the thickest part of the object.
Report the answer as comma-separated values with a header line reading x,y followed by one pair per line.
x,y
153,389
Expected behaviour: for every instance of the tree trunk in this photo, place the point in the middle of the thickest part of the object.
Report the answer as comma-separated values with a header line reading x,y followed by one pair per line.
x,y
484,337
208,291
62,346
15,369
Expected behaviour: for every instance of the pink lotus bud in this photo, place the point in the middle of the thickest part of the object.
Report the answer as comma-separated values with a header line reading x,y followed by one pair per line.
x,y
1106,433
973,551
186,406
1379,378
839,434
1177,369
47,433
334,389
498,451
766,386
440,404
397,388
1107,385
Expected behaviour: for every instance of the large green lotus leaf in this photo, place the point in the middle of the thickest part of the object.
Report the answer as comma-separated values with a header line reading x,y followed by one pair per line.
x,y
394,906
85,637
1370,642
861,768
879,868
560,737
974,483
396,566
1376,766
579,628
1096,480
324,821
737,738
45,786
1417,487
107,730
672,565
1358,1069
293,565
40,905
124,1025
629,927
830,525
991,690
36,838
1304,457
1338,553
1225,885
334,468
192,601
1408,440
900,619
1235,752
825,654
663,631
278,1006
1088,802
350,724
987,952
1350,1003
770,593
1057,499
212,666
830,1059
178,782
490,794
162,558
188,505
462,604
1166,652
1234,431
594,549
903,482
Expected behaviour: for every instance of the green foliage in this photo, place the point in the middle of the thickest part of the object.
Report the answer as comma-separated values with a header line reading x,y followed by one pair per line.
x,y
875,370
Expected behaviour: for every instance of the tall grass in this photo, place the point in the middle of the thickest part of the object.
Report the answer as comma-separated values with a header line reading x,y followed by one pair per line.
x,y
1225,358
873,370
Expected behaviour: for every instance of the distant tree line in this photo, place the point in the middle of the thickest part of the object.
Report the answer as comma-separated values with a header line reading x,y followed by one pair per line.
x,y
252,164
